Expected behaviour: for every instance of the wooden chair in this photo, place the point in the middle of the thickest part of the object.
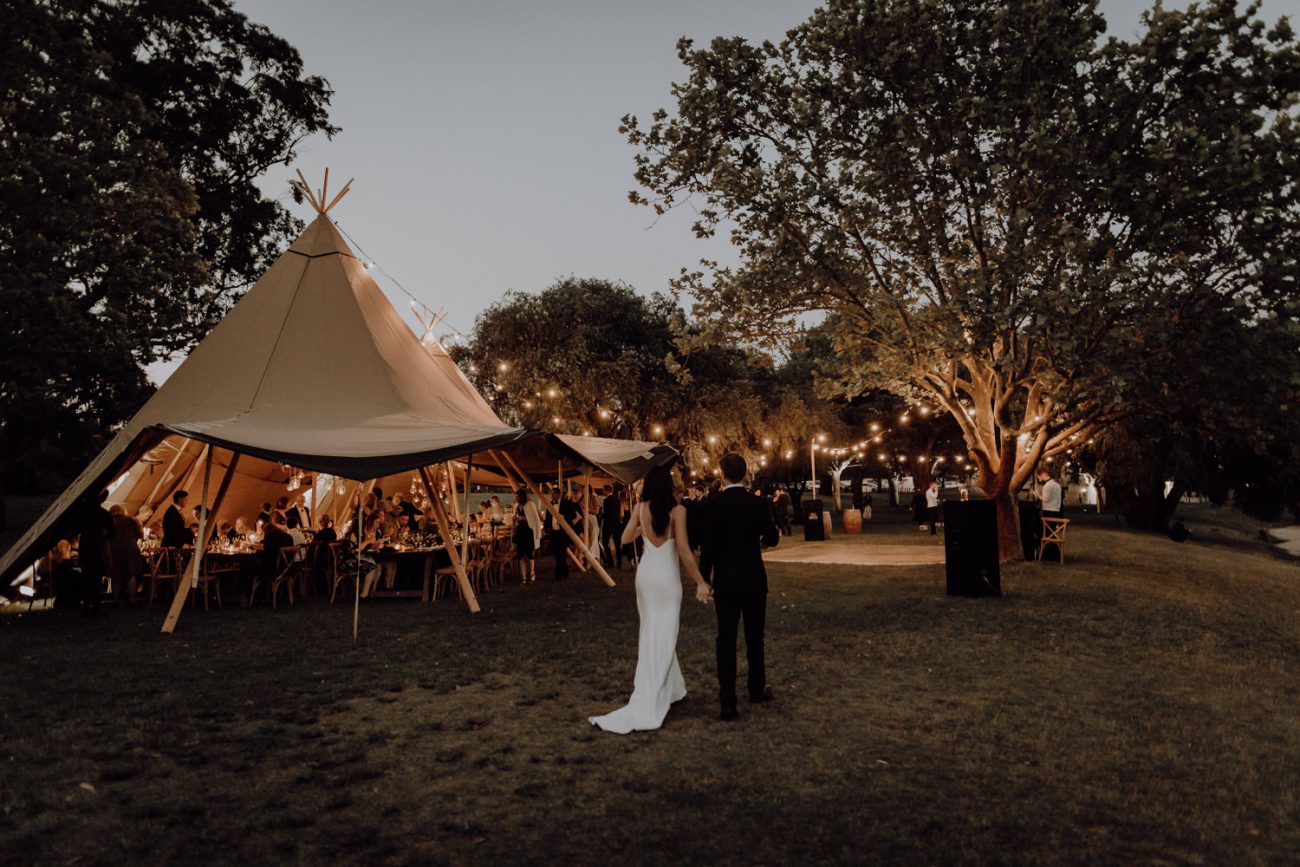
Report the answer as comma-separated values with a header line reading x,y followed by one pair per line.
x,y
292,569
440,578
166,566
1053,534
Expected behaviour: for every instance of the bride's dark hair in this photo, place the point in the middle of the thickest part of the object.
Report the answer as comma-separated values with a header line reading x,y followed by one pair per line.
x,y
657,490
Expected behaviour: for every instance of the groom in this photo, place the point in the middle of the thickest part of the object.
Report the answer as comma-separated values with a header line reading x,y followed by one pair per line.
x,y
737,527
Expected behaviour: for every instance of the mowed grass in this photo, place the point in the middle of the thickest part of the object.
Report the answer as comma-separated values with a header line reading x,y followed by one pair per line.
x,y
1140,704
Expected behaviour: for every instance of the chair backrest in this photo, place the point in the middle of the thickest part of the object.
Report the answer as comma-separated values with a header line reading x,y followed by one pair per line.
x,y
1054,529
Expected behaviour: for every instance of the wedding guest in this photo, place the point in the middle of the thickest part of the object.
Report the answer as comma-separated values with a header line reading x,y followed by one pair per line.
x,y
611,528
126,565
1050,493
275,537
175,532
225,533
571,511
95,526
326,533
527,536
932,506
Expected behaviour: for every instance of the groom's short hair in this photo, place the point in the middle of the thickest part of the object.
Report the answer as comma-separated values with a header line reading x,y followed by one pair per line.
x,y
733,467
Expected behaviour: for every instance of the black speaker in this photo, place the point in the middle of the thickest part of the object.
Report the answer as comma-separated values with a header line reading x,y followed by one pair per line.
x,y
813,528
1031,528
970,547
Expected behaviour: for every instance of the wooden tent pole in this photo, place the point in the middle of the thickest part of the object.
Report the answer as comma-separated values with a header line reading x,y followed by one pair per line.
x,y
176,482
207,527
559,520
312,519
451,489
464,540
356,590
444,527
162,479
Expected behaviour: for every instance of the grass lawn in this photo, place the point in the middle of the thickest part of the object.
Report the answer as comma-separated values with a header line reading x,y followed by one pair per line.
x,y
1140,704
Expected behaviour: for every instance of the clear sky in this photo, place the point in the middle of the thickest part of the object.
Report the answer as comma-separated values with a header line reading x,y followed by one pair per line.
x,y
484,140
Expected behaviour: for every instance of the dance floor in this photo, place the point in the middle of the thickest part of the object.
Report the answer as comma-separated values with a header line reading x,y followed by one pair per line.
x,y
842,553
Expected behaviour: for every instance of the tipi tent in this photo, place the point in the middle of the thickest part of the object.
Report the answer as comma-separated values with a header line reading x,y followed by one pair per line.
x,y
312,368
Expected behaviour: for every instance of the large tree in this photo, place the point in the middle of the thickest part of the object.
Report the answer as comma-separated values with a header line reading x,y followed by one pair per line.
x,y
989,195
130,138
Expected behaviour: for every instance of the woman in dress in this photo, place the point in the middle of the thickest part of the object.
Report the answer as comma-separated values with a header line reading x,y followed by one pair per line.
x,y
527,536
661,521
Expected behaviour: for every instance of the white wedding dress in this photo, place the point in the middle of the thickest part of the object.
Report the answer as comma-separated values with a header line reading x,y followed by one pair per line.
x,y
658,681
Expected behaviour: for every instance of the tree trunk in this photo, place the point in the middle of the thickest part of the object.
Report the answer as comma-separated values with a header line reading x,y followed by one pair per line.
x,y
997,485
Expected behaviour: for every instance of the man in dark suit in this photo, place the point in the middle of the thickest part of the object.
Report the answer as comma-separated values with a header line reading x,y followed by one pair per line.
x,y
571,512
611,528
176,532
737,527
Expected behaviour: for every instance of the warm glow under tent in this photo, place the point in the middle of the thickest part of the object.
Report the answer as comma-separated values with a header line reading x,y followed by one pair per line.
x,y
313,368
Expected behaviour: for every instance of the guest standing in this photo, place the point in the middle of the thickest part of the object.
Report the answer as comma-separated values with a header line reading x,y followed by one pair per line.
x,y
932,506
126,565
176,534
95,526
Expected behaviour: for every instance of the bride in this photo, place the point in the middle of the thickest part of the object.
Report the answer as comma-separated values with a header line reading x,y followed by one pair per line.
x,y
658,683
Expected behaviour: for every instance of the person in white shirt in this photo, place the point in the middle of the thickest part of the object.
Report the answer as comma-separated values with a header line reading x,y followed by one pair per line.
x,y
1050,493
932,506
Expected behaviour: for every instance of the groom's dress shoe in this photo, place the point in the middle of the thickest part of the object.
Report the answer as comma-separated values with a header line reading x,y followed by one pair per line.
x,y
761,697
729,714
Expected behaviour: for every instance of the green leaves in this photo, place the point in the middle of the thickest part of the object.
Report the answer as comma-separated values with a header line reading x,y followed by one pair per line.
x,y
130,137
993,201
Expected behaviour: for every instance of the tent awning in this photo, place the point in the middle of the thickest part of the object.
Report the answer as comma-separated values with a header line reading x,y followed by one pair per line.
x,y
366,449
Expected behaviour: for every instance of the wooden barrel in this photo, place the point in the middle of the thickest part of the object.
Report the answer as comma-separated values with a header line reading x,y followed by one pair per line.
x,y
852,521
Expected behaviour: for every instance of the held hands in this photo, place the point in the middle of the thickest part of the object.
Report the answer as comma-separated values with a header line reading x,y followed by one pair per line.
x,y
703,593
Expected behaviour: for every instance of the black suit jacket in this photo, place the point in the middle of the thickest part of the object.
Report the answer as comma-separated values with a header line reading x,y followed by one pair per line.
x,y
736,524
175,533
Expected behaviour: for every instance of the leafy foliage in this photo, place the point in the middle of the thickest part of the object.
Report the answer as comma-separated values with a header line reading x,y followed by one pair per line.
x,y
991,198
592,356
130,139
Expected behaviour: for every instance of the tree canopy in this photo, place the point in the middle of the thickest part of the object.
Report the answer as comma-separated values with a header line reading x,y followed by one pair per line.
x,y
593,356
130,138
992,198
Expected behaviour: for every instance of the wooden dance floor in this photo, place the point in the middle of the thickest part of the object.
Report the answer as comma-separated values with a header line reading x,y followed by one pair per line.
x,y
840,553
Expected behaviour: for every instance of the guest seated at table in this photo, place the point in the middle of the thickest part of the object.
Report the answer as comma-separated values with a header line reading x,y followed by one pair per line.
x,y
407,508
225,533
275,537
241,528
326,533
498,512
377,540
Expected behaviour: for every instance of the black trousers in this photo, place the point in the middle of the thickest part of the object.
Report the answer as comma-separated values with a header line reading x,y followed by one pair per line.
x,y
560,545
730,608
607,536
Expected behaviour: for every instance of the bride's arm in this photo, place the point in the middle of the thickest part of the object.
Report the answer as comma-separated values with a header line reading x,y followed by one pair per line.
x,y
703,592
633,527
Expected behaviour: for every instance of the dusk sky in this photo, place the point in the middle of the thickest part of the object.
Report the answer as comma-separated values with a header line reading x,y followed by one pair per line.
x,y
484,136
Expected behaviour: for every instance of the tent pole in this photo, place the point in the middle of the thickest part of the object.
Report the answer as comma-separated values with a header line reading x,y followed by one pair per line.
x,y
356,591
180,477
464,539
183,586
444,527
162,479
205,537
559,520
451,489
311,519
